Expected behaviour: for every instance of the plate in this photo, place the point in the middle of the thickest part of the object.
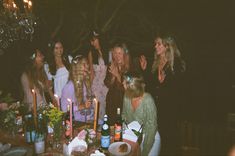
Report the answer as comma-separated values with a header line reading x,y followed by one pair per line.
x,y
114,149
18,151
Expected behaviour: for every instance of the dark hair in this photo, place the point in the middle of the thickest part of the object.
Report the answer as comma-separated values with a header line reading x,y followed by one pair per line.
x,y
34,74
51,58
103,45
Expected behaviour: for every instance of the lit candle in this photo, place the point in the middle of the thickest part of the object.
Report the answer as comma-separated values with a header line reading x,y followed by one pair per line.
x,y
14,5
71,119
96,113
57,100
30,4
34,106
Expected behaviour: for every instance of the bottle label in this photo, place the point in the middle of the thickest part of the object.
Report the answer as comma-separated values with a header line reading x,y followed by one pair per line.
x,y
30,136
39,147
117,132
105,127
105,141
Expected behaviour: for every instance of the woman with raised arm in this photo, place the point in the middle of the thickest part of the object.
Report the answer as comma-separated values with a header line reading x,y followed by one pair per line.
x,y
98,59
113,81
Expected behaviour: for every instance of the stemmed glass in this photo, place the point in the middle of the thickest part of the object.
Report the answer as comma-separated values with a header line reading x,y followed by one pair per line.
x,y
88,111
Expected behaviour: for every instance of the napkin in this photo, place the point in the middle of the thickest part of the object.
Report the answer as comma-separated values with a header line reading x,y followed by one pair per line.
x,y
97,153
76,142
129,134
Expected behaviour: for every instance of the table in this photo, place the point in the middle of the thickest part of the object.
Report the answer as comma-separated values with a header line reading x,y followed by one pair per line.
x,y
19,141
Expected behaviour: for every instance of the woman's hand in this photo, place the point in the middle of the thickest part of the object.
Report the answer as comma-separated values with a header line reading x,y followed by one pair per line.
x,y
143,62
113,69
87,104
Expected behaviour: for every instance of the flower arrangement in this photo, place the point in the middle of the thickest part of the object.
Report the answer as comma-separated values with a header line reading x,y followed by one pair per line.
x,y
9,108
88,135
54,115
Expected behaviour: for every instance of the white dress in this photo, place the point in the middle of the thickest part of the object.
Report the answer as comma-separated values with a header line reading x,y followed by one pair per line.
x,y
60,79
98,87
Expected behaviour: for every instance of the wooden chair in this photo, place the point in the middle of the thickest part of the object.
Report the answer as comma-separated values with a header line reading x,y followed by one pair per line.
x,y
189,139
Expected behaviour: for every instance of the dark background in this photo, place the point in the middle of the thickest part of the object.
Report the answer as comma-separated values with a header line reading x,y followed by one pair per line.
x,y
204,31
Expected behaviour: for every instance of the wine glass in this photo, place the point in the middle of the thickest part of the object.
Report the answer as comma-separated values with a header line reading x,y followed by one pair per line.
x,y
88,111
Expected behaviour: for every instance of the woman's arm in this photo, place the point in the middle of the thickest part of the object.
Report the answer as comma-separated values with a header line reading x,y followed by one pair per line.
x,y
109,79
90,61
150,124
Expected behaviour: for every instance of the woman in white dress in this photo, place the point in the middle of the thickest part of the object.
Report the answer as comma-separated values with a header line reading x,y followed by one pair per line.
x,y
98,58
58,68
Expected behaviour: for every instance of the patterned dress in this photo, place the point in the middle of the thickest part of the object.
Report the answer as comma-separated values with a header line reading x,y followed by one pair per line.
x,y
98,87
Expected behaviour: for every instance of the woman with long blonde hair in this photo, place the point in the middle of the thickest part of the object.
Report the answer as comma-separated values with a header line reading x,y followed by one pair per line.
x,y
113,80
167,70
165,57
78,89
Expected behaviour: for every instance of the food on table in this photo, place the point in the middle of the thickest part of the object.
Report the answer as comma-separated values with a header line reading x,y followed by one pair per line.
x,y
123,148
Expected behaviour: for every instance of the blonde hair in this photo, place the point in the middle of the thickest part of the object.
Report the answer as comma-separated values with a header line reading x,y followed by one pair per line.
x,y
126,56
135,85
171,53
79,79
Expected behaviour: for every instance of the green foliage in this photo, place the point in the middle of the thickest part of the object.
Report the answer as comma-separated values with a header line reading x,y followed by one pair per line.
x,y
54,115
6,98
7,120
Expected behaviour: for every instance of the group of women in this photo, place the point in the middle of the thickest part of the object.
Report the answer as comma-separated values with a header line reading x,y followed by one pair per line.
x,y
108,73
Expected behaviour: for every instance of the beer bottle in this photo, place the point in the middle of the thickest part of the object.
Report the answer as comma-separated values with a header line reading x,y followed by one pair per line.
x,y
118,127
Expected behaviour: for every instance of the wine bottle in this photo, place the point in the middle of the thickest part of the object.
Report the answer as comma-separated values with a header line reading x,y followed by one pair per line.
x,y
105,134
29,129
40,136
118,127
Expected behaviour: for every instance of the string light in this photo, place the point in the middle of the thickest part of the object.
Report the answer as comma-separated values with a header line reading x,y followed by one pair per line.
x,y
16,25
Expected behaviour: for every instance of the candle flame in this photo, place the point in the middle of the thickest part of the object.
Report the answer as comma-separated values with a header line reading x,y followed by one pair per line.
x,y
33,90
69,100
14,5
30,3
26,1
